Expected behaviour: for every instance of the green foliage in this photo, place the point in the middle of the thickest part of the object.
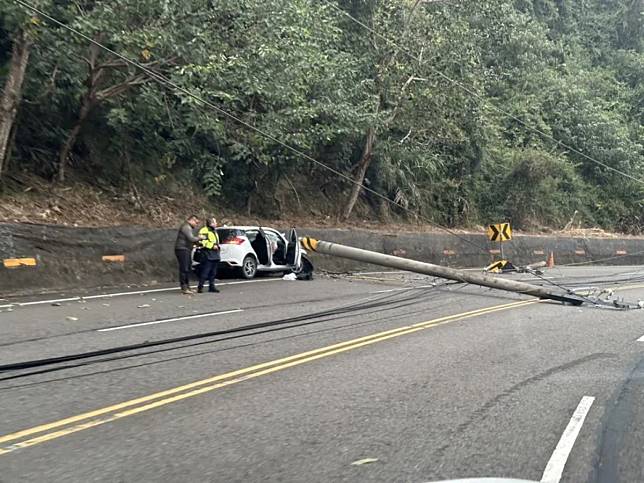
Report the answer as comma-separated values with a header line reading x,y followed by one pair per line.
x,y
541,189
306,75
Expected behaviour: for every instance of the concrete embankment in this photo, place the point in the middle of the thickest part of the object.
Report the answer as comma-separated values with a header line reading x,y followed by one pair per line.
x,y
45,257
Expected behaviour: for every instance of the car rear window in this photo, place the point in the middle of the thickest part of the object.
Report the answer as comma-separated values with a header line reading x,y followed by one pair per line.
x,y
225,234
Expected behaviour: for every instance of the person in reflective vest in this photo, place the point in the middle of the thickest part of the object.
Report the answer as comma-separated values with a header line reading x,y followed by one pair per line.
x,y
210,255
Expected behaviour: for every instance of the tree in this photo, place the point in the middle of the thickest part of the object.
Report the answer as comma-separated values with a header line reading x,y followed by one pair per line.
x,y
470,96
147,39
21,28
277,66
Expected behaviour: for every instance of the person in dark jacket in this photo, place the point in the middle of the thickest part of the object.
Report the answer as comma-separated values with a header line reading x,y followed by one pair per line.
x,y
183,250
210,256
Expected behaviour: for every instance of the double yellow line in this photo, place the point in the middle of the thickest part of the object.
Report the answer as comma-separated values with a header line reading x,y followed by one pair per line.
x,y
47,432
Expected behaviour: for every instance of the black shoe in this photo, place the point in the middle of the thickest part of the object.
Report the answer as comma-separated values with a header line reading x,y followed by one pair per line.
x,y
199,289
213,290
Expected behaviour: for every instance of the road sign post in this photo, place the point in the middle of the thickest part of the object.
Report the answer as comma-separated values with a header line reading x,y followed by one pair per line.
x,y
500,232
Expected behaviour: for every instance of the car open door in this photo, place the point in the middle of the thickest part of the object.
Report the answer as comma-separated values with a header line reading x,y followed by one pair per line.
x,y
293,251
261,245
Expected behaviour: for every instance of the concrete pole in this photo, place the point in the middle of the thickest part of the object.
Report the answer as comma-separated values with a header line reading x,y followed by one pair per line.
x,y
482,279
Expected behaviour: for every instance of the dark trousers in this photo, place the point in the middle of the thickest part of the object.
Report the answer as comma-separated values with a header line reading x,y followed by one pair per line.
x,y
208,271
185,266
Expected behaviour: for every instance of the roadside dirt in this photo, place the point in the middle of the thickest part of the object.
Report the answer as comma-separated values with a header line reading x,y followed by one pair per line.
x,y
35,201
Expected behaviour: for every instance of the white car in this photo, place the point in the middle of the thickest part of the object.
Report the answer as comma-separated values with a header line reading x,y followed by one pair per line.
x,y
253,249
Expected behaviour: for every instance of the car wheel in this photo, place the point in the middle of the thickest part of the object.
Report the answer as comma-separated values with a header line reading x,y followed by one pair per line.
x,y
249,267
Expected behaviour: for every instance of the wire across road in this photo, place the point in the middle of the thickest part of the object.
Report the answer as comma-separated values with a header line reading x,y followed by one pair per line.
x,y
523,386
128,408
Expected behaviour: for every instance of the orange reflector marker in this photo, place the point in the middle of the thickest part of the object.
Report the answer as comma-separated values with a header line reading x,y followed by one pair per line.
x,y
114,258
19,262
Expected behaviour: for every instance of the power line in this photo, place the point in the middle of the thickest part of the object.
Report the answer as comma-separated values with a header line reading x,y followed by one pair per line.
x,y
473,93
589,262
167,82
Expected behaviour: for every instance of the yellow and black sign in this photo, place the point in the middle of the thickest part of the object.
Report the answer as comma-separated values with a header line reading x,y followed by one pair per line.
x,y
499,232
500,266
309,243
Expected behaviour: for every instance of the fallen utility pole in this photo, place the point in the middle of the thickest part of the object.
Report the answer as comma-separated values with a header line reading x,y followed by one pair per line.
x,y
337,250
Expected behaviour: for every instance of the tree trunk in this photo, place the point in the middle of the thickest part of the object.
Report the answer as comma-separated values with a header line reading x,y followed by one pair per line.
x,y
12,92
383,211
86,107
10,144
365,160
87,102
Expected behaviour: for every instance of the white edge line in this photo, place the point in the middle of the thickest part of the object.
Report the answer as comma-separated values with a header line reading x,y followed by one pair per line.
x,y
554,468
404,288
382,272
37,302
168,289
165,321
120,294
641,339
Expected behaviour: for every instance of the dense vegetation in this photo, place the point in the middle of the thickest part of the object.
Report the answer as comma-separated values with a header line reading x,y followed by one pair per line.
x,y
441,120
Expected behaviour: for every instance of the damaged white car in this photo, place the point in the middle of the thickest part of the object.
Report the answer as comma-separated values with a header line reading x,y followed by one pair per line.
x,y
255,249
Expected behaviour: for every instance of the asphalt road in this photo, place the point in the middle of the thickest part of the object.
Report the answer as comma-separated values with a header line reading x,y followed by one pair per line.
x,y
376,377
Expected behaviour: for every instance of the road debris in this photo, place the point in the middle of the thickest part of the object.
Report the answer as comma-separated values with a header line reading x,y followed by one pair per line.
x,y
71,319
56,304
364,461
290,277
144,306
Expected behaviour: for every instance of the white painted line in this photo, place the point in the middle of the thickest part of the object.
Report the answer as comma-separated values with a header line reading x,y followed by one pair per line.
x,y
641,339
554,468
169,289
38,302
404,288
382,272
121,294
165,321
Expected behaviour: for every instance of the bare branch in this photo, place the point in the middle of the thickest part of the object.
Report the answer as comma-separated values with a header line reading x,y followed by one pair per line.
x,y
411,79
406,137
112,64
118,89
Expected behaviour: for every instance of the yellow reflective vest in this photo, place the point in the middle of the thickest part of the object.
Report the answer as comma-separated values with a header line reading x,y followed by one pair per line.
x,y
211,241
